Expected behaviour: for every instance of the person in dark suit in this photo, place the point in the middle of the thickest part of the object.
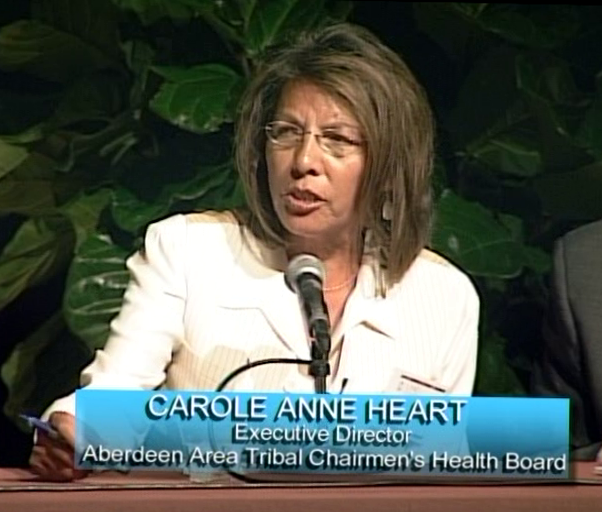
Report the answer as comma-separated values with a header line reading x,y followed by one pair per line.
x,y
571,362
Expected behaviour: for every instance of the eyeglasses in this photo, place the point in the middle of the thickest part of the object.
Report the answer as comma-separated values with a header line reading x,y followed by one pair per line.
x,y
339,142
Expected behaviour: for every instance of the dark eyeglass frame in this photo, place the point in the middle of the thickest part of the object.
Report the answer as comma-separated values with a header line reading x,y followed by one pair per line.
x,y
338,147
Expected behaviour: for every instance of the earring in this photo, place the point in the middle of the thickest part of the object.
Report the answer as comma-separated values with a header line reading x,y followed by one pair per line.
x,y
387,212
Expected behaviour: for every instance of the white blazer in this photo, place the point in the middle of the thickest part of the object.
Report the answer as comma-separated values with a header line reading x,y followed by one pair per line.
x,y
205,297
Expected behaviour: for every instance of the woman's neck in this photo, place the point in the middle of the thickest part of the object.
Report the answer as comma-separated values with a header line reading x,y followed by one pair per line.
x,y
341,260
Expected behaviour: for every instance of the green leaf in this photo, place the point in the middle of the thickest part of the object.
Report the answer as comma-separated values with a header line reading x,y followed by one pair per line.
x,y
439,179
133,213
547,77
459,27
514,225
84,212
97,97
139,58
95,286
495,376
111,141
469,235
32,134
38,249
536,27
207,179
199,98
226,195
150,11
18,373
24,111
590,132
574,195
41,368
246,8
547,86
93,21
48,53
511,153
537,259
271,22
487,98
29,188
448,24
10,157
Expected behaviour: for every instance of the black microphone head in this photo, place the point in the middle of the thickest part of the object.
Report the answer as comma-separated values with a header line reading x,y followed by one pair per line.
x,y
304,264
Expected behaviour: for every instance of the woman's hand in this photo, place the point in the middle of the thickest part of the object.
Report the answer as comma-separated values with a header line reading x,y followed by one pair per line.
x,y
53,459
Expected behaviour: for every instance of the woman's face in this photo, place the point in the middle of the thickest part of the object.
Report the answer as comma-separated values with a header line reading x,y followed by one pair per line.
x,y
314,184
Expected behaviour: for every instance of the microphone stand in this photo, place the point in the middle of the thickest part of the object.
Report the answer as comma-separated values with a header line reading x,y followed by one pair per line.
x,y
319,367
305,274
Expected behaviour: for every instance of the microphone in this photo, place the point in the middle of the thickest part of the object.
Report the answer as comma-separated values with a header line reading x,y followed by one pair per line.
x,y
305,274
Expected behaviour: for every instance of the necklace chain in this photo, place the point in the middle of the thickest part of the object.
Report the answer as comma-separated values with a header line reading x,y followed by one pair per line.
x,y
340,286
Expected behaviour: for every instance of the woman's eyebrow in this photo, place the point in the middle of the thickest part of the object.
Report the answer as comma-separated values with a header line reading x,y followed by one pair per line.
x,y
340,124
330,125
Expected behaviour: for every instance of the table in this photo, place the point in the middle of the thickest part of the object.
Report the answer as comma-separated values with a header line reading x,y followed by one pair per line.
x,y
20,491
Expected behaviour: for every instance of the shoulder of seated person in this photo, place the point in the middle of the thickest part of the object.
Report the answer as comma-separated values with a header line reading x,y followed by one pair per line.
x,y
580,247
585,234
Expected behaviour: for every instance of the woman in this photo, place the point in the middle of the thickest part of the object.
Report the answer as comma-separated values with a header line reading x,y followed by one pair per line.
x,y
334,147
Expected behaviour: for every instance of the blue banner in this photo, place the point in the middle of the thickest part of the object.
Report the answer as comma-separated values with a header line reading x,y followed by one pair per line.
x,y
255,433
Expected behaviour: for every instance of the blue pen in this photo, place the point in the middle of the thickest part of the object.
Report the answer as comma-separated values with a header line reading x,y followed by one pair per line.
x,y
44,426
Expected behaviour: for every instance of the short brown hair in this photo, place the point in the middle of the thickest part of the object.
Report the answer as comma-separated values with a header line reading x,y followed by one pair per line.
x,y
373,82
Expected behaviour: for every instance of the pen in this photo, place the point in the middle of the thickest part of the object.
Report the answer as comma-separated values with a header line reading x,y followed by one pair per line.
x,y
44,426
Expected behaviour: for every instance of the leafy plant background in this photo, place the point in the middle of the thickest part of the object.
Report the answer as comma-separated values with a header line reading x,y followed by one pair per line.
x,y
116,113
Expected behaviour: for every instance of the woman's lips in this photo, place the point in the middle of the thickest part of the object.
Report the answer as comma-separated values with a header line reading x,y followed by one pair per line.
x,y
302,202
